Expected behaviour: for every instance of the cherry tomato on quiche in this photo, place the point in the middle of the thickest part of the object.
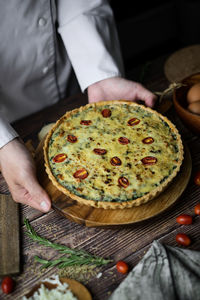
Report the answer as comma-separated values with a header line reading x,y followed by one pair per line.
x,y
148,140
183,239
123,140
123,181
197,209
100,151
81,174
122,267
133,122
115,161
149,160
86,122
7,285
197,178
72,138
184,219
106,113
60,157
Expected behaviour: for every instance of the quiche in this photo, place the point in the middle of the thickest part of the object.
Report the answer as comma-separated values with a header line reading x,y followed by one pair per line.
x,y
112,154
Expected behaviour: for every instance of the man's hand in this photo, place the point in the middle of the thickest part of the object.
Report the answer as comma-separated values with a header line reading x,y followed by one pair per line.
x,y
117,88
19,171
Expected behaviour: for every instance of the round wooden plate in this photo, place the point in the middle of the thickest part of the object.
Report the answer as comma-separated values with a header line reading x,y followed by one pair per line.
x,y
78,289
93,217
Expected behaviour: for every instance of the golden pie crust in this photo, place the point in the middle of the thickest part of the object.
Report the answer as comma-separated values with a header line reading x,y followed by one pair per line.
x,y
112,154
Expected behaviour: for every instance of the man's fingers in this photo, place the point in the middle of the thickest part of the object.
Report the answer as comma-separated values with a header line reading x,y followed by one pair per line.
x,y
148,97
150,100
18,169
32,194
38,195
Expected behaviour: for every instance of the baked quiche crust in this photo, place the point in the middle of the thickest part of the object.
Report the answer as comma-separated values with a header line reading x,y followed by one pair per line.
x,y
112,154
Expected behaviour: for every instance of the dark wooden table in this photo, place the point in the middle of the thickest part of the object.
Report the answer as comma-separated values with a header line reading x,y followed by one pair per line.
x,y
128,243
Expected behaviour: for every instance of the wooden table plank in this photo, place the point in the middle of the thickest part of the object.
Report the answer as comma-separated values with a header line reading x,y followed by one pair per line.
x,y
129,243
9,236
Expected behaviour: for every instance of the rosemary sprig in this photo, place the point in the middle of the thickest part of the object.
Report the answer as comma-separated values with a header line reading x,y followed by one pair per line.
x,y
73,256
63,262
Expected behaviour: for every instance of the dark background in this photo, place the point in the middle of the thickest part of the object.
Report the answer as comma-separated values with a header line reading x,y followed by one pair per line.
x,y
148,30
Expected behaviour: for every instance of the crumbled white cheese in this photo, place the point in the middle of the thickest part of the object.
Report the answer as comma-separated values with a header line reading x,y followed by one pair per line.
x,y
61,292
99,275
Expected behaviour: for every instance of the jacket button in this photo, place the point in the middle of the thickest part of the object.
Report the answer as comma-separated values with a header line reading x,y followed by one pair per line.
x,y
42,22
45,70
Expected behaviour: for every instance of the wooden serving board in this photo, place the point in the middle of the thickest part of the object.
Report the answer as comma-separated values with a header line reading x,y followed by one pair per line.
x,y
92,217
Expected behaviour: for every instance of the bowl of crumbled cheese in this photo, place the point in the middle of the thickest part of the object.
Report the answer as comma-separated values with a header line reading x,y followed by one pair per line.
x,y
60,289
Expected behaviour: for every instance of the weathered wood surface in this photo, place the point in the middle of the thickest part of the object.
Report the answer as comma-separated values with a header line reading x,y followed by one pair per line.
x,y
127,242
9,236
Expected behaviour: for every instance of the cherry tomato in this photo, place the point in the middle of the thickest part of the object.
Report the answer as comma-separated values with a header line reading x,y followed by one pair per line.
x,y
59,158
123,181
122,267
149,160
7,285
72,138
197,209
81,174
106,113
184,219
123,140
183,239
86,122
100,151
148,140
133,122
115,161
197,178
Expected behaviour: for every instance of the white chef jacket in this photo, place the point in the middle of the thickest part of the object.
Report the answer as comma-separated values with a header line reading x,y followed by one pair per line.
x,y
42,42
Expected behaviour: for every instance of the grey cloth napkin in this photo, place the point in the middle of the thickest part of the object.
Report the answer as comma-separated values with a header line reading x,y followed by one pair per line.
x,y
164,273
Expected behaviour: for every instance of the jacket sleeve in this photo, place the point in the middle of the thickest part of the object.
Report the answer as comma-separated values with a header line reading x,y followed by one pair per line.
x,y
7,133
88,31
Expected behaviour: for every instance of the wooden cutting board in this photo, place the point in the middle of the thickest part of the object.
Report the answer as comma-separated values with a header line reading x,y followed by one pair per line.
x,y
90,216
9,236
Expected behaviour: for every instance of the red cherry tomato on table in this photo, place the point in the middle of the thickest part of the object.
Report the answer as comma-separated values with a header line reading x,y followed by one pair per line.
x,y
122,267
197,209
183,239
184,219
197,178
7,285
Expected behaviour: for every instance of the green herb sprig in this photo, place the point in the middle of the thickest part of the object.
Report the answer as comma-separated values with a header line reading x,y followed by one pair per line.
x,y
73,256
